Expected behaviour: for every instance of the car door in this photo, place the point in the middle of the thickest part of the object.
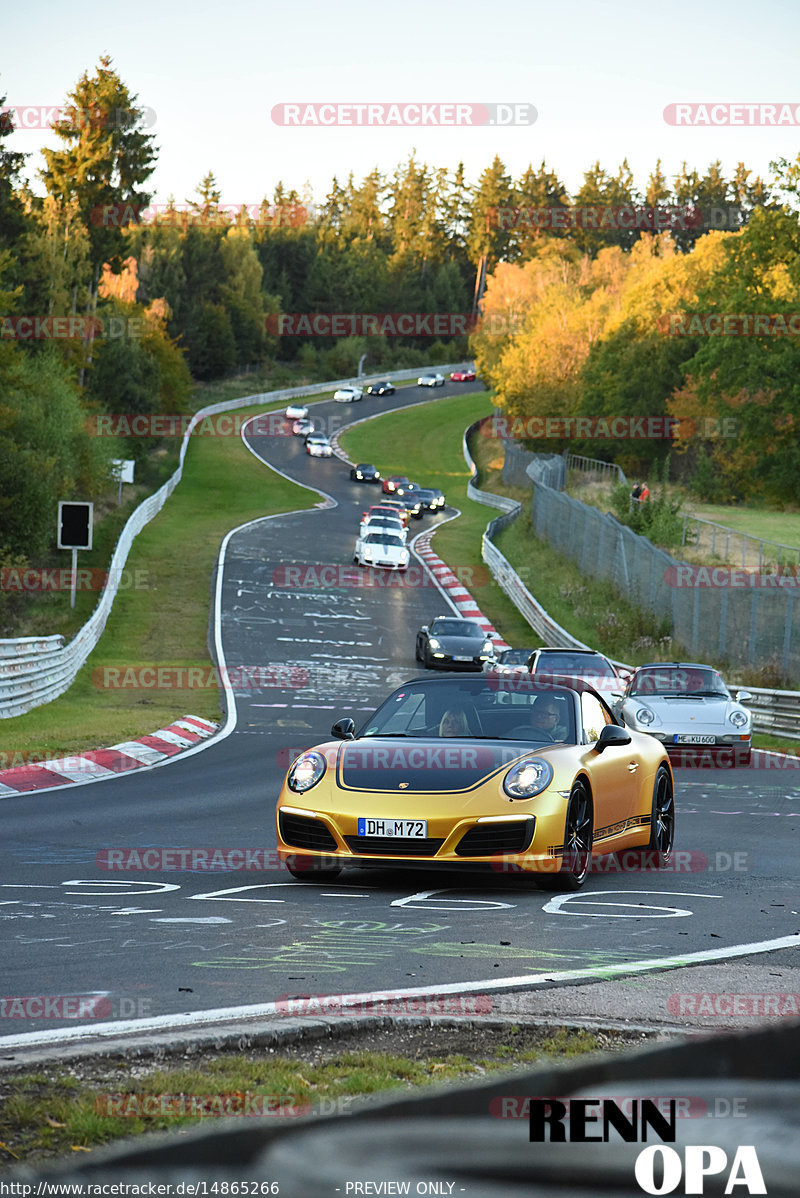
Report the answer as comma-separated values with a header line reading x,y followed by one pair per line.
x,y
615,773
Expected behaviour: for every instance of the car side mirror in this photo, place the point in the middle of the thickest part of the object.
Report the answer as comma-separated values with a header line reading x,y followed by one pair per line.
x,y
344,729
424,628
612,734
743,696
616,695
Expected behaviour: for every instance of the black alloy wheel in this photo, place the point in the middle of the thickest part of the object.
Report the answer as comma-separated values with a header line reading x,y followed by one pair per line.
x,y
578,839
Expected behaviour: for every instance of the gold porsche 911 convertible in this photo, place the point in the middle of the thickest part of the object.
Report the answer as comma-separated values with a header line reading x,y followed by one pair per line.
x,y
491,771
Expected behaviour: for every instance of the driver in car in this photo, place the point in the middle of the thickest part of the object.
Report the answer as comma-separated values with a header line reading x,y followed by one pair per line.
x,y
544,717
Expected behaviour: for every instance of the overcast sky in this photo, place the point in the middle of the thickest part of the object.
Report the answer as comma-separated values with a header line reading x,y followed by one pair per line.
x,y
598,72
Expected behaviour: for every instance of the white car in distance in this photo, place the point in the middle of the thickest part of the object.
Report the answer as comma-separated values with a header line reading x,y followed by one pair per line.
x,y
296,411
381,549
430,380
318,446
383,524
348,394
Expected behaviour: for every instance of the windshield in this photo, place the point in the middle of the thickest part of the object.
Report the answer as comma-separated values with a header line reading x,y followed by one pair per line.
x,y
383,538
477,709
583,665
456,628
678,682
515,657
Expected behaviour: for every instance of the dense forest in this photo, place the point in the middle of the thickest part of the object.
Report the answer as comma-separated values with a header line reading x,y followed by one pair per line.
x,y
109,304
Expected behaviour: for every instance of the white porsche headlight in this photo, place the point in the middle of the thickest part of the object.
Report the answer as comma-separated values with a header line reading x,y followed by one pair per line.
x,y
306,771
528,778
434,644
644,716
738,719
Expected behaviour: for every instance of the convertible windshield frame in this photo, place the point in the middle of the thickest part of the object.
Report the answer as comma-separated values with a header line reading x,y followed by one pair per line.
x,y
494,710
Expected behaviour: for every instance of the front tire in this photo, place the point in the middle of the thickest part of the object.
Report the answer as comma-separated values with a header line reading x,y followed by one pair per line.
x,y
662,818
578,839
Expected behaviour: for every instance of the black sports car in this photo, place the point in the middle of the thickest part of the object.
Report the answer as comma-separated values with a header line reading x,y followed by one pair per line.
x,y
381,388
410,495
364,473
453,642
428,499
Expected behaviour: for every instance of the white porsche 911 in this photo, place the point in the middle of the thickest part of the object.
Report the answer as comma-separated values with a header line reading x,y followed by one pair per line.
x,y
381,549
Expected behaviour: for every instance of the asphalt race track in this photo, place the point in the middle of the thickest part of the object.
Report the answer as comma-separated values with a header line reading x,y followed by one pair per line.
x,y
152,944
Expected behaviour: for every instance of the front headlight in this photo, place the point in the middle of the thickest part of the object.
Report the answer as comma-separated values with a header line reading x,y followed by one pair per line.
x,y
404,558
644,716
488,647
738,719
306,771
434,644
528,778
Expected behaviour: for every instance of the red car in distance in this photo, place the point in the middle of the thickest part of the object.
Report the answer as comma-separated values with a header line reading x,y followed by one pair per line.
x,y
381,509
465,375
391,484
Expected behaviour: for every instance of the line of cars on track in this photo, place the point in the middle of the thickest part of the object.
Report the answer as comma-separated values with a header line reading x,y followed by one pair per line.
x,y
684,705
538,763
462,374
383,530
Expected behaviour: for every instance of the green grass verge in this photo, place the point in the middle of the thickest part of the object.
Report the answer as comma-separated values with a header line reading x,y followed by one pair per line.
x,y
164,620
44,1115
782,527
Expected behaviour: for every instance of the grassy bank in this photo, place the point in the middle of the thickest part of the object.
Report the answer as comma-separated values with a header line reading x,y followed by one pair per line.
x,y
161,617
70,1111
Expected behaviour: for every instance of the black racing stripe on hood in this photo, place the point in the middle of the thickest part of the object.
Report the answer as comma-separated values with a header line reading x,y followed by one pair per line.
x,y
443,764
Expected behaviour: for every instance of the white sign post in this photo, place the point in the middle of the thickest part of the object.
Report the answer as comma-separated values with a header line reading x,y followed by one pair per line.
x,y
122,470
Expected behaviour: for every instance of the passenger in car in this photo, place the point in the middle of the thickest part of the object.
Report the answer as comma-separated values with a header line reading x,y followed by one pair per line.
x,y
454,723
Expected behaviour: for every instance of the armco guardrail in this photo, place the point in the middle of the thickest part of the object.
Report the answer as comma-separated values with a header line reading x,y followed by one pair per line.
x,y
775,712
501,570
36,670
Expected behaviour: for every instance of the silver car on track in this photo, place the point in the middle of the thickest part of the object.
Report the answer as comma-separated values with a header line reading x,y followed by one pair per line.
x,y
689,709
